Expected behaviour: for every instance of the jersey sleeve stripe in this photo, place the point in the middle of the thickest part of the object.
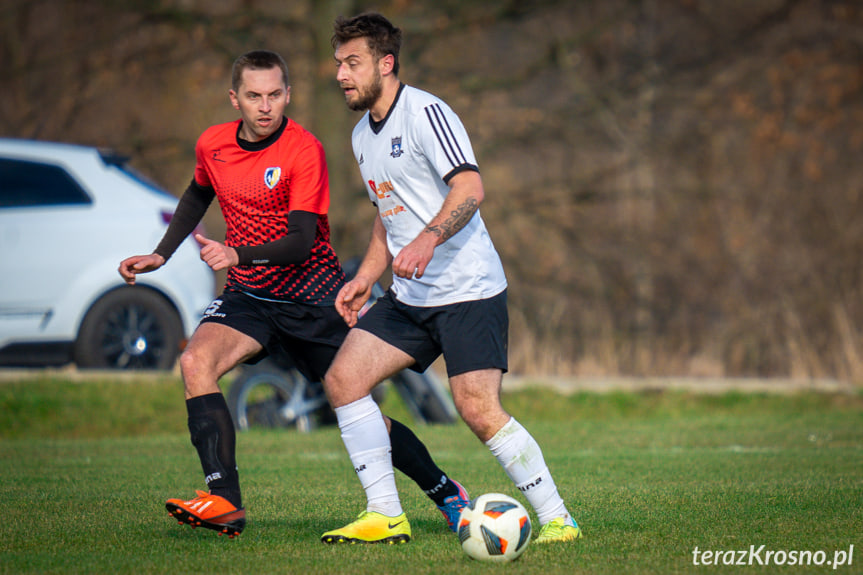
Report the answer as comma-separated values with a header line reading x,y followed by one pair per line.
x,y
454,139
445,135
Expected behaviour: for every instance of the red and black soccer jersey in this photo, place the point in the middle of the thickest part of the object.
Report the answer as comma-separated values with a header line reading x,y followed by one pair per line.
x,y
257,184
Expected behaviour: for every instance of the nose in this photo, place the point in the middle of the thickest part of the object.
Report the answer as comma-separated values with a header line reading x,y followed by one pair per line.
x,y
341,73
266,104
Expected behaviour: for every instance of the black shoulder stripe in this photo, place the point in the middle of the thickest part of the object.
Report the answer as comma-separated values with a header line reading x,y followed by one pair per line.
x,y
461,155
445,136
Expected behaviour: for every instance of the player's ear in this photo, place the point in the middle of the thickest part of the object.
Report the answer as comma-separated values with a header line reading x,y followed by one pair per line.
x,y
234,101
287,95
386,64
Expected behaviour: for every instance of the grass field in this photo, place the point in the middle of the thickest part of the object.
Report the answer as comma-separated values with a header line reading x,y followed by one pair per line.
x,y
86,467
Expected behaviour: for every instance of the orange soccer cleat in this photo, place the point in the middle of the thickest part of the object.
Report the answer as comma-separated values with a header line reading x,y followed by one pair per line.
x,y
208,511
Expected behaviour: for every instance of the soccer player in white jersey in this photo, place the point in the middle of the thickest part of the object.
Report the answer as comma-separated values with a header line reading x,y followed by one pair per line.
x,y
448,294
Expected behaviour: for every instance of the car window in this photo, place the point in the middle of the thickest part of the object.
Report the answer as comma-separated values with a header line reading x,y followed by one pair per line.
x,y
120,163
28,184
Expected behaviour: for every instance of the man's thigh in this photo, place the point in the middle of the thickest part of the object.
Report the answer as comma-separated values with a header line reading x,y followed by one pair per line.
x,y
219,348
402,327
363,361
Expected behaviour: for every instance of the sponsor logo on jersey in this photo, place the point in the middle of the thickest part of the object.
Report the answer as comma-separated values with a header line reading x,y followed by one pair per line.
x,y
397,147
393,211
383,190
271,177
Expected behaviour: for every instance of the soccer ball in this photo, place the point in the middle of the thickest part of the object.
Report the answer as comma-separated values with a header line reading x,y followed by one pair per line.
x,y
494,527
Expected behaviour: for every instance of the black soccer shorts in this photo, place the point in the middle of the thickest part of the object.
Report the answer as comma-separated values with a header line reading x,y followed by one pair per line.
x,y
307,336
471,335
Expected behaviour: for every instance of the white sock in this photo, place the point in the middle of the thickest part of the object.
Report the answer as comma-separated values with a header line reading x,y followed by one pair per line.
x,y
365,436
521,458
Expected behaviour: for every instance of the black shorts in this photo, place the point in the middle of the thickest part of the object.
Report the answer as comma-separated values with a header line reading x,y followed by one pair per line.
x,y
471,335
294,334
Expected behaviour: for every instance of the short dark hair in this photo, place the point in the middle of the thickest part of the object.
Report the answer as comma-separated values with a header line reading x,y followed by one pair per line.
x,y
257,60
383,38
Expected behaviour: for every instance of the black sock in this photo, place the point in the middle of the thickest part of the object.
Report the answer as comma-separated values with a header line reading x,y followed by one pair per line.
x,y
412,458
213,435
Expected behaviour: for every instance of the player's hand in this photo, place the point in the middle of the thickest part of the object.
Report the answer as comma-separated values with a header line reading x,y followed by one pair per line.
x,y
412,260
134,265
216,254
351,299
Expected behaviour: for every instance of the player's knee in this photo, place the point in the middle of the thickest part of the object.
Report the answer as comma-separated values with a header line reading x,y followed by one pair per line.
x,y
194,364
483,419
333,382
189,360
472,413
342,386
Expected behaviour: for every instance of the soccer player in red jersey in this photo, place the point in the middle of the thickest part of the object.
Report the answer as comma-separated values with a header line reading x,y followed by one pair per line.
x,y
270,177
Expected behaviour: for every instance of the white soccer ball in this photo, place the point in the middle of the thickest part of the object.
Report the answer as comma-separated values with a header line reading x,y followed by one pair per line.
x,y
494,527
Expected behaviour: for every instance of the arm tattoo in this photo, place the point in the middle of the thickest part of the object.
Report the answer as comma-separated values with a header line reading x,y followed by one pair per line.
x,y
458,218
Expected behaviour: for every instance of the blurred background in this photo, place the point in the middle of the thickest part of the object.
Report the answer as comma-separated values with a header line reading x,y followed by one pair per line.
x,y
674,185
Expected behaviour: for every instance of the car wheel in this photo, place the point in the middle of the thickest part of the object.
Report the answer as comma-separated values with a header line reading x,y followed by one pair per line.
x,y
129,328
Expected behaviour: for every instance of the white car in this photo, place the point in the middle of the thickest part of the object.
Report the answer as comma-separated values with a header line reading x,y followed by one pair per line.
x,y
68,216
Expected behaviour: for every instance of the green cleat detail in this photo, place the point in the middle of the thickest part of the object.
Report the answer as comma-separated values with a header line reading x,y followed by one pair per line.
x,y
558,530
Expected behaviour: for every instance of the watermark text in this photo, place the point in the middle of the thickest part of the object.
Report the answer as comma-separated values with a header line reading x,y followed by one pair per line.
x,y
760,555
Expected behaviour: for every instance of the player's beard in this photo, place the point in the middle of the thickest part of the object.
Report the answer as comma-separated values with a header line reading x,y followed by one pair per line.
x,y
367,97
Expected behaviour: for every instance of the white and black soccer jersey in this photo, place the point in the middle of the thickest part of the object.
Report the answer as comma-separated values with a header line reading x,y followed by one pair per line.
x,y
407,160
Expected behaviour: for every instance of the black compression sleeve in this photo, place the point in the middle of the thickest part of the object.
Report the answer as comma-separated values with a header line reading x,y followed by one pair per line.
x,y
294,248
190,210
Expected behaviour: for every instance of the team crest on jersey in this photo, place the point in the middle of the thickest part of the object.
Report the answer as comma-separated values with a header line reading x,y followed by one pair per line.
x,y
271,177
397,147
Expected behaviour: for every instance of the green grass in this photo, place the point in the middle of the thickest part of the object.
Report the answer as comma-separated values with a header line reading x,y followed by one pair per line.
x,y
86,468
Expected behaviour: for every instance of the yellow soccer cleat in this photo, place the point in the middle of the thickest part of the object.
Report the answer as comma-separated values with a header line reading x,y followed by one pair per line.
x,y
372,527
558,530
